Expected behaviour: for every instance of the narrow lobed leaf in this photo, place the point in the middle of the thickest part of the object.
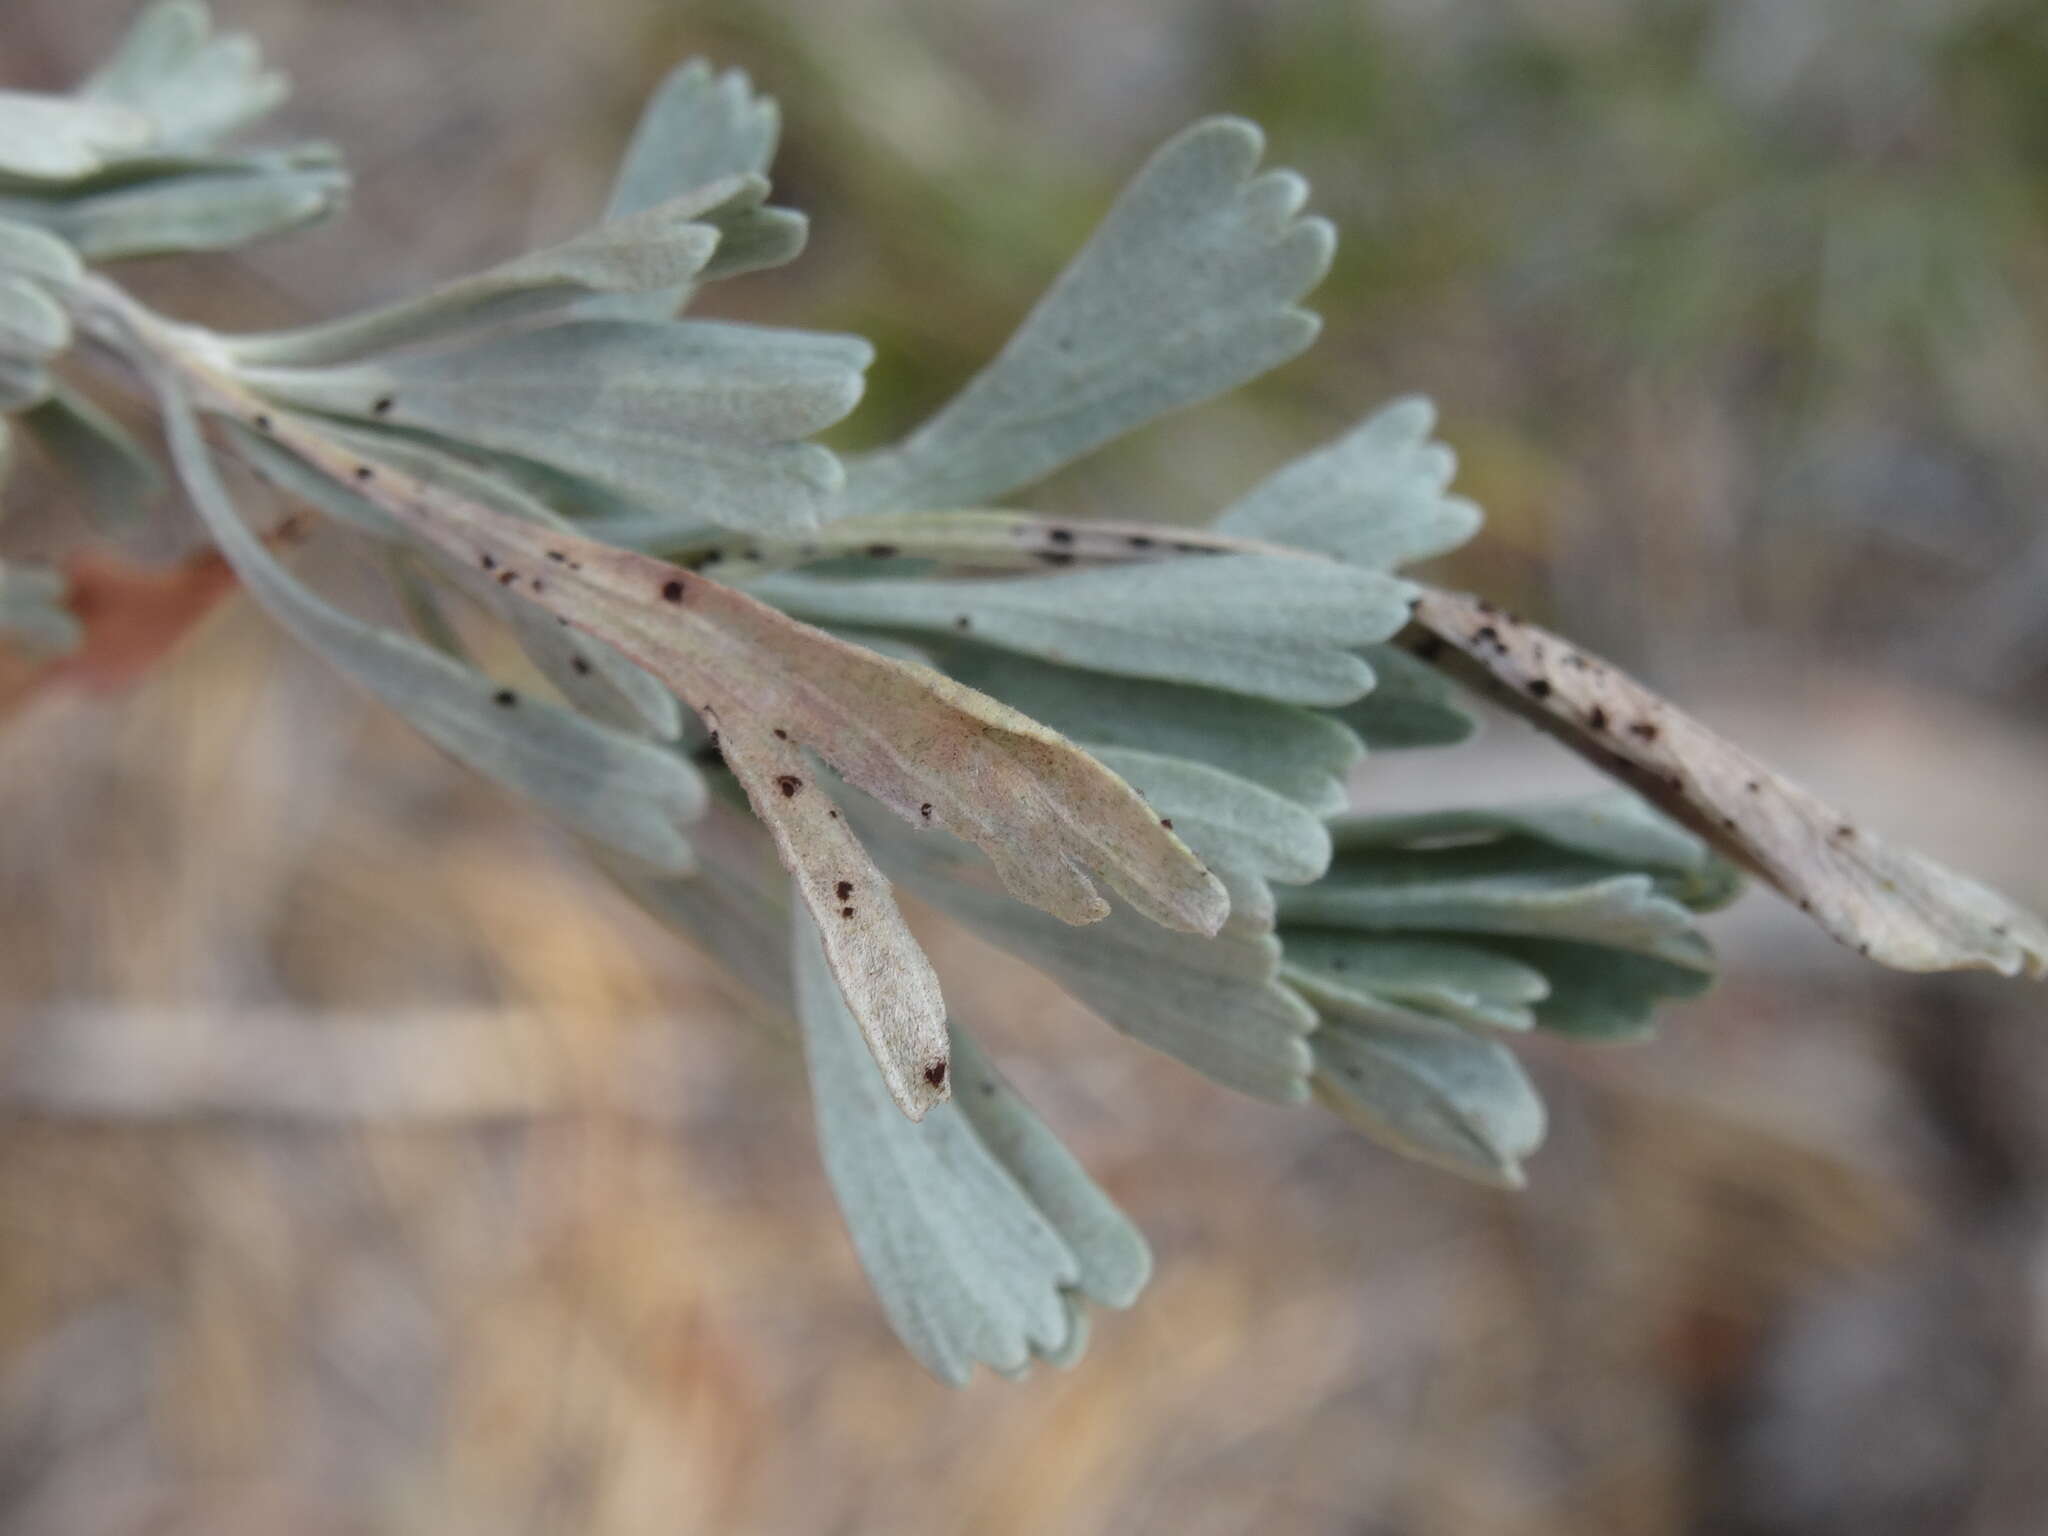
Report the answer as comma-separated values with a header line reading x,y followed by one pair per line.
x,y
1375,497
1896,906
1186,290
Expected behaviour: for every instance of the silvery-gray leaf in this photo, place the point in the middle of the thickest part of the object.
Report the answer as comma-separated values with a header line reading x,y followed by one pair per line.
x,y
1411,705
1293,751
33,617
1115,1261
1213,1004
1374,497
698,128
595,677
1431,1091
614,788
1482,890
1614,826
655,248
967,1268
1468,983
23,382
1277,628
29,251
1598,993
1187,289
32,324
61,138
193,86
702,416
119,477
207,211
1247,833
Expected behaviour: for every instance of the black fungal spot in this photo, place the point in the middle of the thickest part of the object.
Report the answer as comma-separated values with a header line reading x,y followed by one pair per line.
x,y
781,734
935,1074
673,591
504,698
1486,634
537,585
714,740
262,423
1166,822
558,557
506,578
580,666
1597,718
1539,689
788,783
1805,905
1645,730
833,814
1139,541
881,551
1845,831
1862,949
1060,535
925,810
1753,786
843,889
963,622
382,405
364,472
488,562
846,911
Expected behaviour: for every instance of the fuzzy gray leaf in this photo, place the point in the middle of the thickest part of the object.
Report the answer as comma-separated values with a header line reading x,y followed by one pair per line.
x,y
119,477
61,138
1374,497
616,789
1412,705
1431,1091
968,1268
206,211
1187,289
1268,626
193,86
32,612
696,415
1466,983
1292,751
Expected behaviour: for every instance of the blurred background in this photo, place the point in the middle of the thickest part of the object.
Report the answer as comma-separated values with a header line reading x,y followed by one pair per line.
x,y
369,1165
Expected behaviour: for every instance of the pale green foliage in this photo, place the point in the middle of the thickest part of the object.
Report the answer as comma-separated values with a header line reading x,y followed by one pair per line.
x,y
1001,711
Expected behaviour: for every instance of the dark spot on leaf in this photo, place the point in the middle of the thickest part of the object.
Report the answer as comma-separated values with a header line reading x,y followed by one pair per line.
x,y
935,1074
925,810
1486,634
364,472
1597,718
504,698
1139,541
781,734
881,551
1166,822
843,889
1845,831
1539,689
506,578
788,783
262,423
673,591
963,622
580,666
1753,786
558,557
488,562
382,405
1060,535
1485,607
833,814
537,585
1645,729
846,911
